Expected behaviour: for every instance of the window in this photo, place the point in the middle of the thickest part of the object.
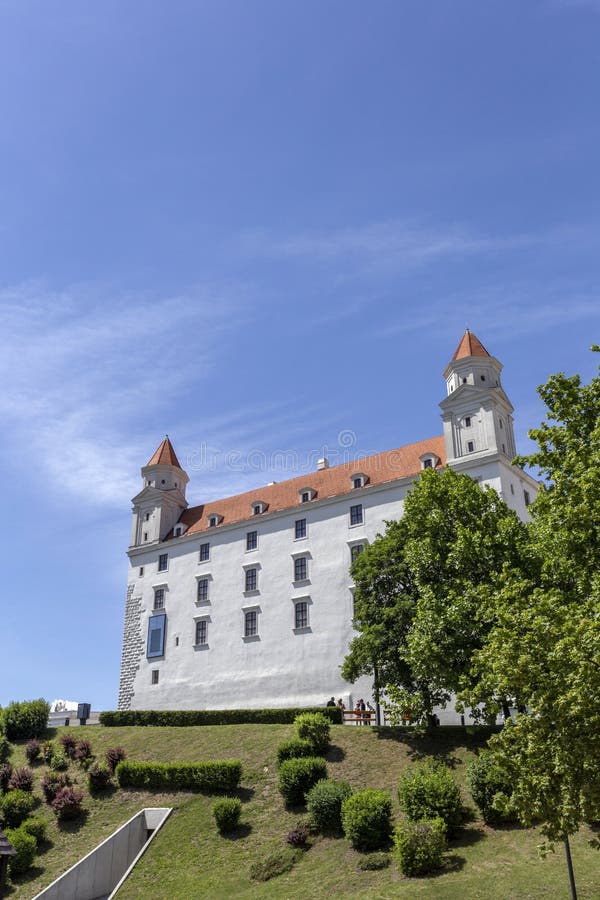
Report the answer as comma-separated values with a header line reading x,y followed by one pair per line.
x,y
356,514
159,598
512,488
145,535
178,531
251,580
357,483
300,529
467,421
141,571
501,423
470,446
212,521
428,463
300,569
301,614
250,623
201,632
202,594
526,498
305,497
204,552
355,551
147,517
503,448
163,562
482,377
256,510
464,380
251,540
156,635
154,676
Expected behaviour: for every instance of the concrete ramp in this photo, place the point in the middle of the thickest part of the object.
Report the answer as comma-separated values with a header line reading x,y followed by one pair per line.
x,y
101,873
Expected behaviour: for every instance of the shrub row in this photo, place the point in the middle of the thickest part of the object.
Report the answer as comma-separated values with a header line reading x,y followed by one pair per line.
x,y
212,777
183,717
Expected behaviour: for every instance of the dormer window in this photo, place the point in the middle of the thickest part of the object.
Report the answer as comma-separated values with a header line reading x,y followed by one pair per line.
x,y
358,480
429,460
307,494
214,519
178,530
259,508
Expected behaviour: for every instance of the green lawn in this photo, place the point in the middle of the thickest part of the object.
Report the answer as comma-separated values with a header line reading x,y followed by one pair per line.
x,y
189,859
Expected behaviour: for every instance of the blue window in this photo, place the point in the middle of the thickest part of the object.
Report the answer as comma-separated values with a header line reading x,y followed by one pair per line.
x,y
300,528
251,540
251,582
356,514
204,552
156,635
300,569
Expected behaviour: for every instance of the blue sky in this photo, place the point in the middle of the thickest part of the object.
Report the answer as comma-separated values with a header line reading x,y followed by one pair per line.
x,y
262,227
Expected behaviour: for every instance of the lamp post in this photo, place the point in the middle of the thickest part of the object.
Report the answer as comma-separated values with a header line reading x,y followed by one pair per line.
x,y
6,850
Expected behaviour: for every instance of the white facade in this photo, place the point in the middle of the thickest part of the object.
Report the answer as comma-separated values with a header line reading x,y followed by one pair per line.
x,y
294,657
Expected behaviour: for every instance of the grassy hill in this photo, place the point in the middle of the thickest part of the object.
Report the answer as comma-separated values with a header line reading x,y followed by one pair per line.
x,y
189,859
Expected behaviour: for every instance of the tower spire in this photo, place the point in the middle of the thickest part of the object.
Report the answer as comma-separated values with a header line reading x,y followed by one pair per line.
x,y
164,455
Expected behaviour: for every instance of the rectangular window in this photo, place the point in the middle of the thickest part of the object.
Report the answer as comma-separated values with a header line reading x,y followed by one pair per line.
x,y
251,540
301,614
147,517
159,598
156,635
305,496
141,571
204,552
145,535
467,421
201,632
356,514
470,446
300,569
526,498
250,623
251,580
163,562
300,529
356,551
203,590
428,464
154,676
357,483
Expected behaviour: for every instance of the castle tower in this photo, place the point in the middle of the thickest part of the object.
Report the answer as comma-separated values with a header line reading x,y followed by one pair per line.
x,y
477,414
158,506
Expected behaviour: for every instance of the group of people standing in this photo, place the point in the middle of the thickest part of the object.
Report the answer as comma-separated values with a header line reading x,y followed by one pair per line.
x,y
363,712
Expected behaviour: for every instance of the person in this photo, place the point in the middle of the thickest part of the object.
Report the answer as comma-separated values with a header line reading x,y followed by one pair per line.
x,y
342,708
357,713
331,702
370,711
363,711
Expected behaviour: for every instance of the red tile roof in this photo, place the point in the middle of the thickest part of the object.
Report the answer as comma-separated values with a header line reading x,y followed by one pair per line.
x,y
332,482
469,346
165,455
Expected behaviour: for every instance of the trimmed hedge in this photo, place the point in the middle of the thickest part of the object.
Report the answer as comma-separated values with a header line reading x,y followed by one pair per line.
x,y
16,806
29,719
25,845
429,791
419,846
294,749
297,776
227,813
184,717
36,827
215,776
314,727
367,819
324,804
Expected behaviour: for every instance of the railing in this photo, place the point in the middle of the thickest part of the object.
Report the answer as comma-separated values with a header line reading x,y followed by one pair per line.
x,y
358,717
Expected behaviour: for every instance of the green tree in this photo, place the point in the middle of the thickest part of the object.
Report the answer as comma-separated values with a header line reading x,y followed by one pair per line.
x,y
422,589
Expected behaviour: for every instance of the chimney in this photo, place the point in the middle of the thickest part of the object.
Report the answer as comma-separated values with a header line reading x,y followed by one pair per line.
x,y
323,463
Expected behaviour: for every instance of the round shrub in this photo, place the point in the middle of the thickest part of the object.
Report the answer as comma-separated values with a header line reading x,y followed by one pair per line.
x,y
373,861
99,778
25,845
83,751
47,750
366,819
4,747
25,720
16,806
6,771
114,755
297,776
21,779
59,760
486,780
314,727
294,749
67,803
227,813
419,846
36,828
298,836
69,744
52,783
324,804
33,750
429,791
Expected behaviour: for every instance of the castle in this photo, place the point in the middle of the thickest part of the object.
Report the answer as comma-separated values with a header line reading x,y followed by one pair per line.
x,y
247,601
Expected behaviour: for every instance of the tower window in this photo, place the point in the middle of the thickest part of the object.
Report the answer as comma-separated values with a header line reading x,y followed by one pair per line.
x,y
251,540
300,528
147,517
201,632
512,488
501,423
464,381
503,448
145,535
356,514
251,580
159,598
482,377
300,569
204,552
355,551
202,595
156,635
141,571
162,481
526,498
467,421
301,614
163,562
470,446
154,676
251,623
